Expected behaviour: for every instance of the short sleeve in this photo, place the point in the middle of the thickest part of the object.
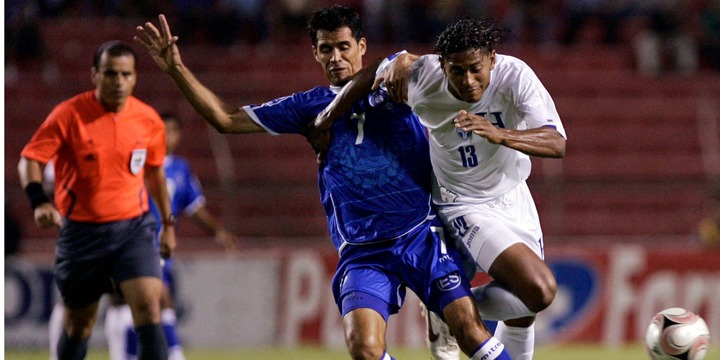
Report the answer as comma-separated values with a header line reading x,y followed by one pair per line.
x,y
46,140
535,102
290,114
156,145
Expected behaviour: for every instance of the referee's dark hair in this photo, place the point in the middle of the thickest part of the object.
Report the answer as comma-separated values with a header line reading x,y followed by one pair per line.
x,y
114,48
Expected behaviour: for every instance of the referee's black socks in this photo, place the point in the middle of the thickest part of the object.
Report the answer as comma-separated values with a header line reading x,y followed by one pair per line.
x,y
71,349
151,342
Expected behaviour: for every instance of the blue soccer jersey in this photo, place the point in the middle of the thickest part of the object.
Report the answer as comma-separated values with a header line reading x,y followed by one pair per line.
x,y
375,181
183,187
186,197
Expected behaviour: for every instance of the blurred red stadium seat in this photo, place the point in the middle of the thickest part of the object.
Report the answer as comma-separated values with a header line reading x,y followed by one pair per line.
x,y
633,163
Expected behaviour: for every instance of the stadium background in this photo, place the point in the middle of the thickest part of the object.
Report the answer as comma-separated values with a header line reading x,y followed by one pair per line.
x,y
619,212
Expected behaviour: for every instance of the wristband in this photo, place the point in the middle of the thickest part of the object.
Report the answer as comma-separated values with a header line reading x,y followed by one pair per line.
x,y
169,221
36,194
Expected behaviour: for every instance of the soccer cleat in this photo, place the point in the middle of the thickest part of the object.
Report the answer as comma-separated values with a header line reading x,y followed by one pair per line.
x,y
442,345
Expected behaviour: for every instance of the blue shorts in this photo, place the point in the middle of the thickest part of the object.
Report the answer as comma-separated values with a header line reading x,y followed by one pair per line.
x,y
91,258
168,275
376,275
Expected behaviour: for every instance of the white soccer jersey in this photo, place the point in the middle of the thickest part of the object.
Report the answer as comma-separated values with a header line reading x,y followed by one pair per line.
x,y
469,169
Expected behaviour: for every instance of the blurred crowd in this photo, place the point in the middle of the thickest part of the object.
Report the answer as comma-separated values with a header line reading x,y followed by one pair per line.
x,y
675,34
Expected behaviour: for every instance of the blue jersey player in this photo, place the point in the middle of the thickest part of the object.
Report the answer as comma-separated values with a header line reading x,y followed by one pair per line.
x,y
374,185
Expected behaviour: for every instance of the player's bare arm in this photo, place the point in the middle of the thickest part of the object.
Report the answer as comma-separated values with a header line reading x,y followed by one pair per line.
x,y
155,178
45,213
541,142
223,237
318,135
162,46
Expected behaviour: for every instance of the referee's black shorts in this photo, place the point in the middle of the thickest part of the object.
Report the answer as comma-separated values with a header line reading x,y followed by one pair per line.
x,y
91,257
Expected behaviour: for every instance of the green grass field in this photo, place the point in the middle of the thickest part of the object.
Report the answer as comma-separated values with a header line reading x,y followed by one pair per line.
x,y
566,352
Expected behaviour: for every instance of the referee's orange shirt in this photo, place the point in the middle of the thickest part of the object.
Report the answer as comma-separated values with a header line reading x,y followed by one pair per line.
x,y
99,157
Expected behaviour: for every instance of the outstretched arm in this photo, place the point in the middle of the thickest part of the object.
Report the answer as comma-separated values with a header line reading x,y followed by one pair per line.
x,y
223,237
161,45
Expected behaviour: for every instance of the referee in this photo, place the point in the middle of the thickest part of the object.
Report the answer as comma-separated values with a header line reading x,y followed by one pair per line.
x,y
106,146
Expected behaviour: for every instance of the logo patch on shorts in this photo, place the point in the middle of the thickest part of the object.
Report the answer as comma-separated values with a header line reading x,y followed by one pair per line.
x,y
449,282
354,296
447,195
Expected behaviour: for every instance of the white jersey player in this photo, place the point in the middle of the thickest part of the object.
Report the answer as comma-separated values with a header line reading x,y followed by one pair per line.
x,y
476,177
486,115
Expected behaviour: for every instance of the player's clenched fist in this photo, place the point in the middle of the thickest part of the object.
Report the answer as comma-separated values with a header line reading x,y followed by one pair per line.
x,y
47,216
478,125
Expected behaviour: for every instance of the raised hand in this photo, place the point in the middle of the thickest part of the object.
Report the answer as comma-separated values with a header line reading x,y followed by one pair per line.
x,y
227,239
396,77
160,44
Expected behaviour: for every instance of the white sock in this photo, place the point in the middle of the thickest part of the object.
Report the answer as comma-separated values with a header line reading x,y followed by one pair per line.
x,y
118,320
519,342
495,302
169,323
176,353
56,328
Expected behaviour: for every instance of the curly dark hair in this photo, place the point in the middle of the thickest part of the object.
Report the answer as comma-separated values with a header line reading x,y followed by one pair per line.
x,y
467,34
332,18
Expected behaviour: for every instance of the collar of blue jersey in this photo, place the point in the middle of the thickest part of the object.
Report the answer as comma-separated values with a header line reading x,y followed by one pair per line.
x,y
335,89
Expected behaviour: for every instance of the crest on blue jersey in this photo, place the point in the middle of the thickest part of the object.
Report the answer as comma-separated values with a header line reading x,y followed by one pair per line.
x,y
463,134
377,97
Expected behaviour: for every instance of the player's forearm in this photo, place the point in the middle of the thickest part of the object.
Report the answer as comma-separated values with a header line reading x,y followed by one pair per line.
x,y
29,171
351,93
207,221
224,117
156,182
541,142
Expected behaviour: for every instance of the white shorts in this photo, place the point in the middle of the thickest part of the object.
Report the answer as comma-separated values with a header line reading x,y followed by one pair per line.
x,y
487,229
